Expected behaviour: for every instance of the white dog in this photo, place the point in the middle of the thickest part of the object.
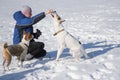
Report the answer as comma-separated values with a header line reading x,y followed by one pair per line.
x,y
64,39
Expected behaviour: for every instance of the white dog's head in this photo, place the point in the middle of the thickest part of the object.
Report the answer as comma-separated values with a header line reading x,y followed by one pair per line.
x,y
56,17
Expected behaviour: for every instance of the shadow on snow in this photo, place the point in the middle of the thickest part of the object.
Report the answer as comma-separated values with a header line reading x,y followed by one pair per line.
x,y
102,47
18,75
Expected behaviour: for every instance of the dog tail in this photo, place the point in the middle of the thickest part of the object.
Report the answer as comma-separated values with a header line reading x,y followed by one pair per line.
x,y
4,45
80,42
6,55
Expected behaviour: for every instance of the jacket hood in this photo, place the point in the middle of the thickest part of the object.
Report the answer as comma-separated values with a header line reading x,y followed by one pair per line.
x,y
18,15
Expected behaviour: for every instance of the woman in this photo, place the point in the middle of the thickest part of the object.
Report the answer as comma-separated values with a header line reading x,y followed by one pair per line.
x,y
24,22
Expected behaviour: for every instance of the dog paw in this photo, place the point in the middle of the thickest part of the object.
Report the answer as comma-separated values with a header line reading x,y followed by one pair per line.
x,y
87,57
28,57
79,60
56,59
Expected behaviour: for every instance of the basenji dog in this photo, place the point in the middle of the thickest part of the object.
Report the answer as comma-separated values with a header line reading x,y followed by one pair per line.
x,y
19,50
64,39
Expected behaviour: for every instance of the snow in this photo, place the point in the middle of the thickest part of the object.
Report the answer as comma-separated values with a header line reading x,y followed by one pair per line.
x,y
94,22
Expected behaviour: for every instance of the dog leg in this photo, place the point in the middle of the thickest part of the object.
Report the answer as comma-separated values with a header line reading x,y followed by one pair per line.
x,y
77,55
18,61
84,53
60,50
4,64
71,52
22,58
21,64
7,65
8,68
86,56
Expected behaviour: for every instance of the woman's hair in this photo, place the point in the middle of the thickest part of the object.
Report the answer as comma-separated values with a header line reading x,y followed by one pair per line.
x,y
26,8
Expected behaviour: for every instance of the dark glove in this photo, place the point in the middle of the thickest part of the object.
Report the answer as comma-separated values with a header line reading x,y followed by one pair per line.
x,y
37,34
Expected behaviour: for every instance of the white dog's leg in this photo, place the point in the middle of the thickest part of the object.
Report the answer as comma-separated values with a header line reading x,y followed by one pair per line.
x,y
77,56
60,50
86,56
72,53
83,52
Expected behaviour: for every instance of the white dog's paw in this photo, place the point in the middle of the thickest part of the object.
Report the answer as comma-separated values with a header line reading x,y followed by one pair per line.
x,y
78,59
87,57
56,59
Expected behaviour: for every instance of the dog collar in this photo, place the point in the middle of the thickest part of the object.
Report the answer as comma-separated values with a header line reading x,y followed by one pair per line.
x,y
26,45
58,32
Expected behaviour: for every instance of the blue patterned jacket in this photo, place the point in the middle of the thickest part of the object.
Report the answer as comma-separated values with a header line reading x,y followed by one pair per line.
x,y
24,23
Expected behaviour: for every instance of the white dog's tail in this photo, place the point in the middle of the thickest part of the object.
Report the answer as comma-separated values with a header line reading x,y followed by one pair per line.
x,y
80,42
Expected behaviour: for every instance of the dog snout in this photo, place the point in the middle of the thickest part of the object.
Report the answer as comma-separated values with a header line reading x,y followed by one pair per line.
x,y
53,13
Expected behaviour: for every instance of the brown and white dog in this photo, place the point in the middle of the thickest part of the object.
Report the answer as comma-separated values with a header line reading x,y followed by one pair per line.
x,y
65,39
20,50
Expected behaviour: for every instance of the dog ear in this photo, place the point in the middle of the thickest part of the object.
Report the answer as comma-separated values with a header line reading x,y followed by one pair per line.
x,y
28,33
52,15
28,36
24,32
62,21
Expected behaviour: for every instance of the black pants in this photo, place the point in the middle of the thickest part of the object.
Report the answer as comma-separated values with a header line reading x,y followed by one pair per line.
x,y
37,49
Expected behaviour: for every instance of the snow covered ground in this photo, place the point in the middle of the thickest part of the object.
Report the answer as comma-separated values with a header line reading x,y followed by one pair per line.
x,y
96,23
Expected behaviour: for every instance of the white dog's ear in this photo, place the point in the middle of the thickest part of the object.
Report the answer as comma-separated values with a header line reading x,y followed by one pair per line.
x,y
62,21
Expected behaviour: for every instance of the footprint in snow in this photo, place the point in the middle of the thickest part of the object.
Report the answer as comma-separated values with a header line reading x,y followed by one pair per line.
x,y
110,56
105,71
74,76
97,75
73,68
109,65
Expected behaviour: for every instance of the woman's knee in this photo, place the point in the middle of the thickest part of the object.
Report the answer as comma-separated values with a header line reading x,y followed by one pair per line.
x,y
41,45
41,53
